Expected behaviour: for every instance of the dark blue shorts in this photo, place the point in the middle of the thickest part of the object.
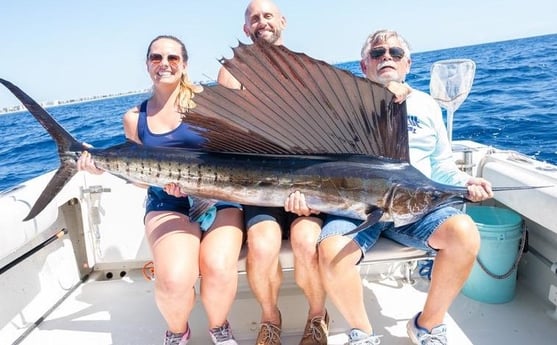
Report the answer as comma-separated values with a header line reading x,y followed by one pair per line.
x,y
159,200
257,214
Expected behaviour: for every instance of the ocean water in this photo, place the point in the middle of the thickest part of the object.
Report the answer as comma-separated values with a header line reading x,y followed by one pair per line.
x,y
512,105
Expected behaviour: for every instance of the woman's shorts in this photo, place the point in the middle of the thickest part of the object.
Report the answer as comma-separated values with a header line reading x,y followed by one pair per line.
x,y
159,200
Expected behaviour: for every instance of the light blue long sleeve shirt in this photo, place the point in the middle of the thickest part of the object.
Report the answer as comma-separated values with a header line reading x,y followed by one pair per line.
x,y
430,149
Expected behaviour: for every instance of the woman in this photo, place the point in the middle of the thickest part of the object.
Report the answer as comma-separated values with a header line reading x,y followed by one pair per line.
x,y
181,250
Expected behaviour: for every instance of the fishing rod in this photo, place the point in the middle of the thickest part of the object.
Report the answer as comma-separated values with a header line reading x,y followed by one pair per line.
x,y
35,249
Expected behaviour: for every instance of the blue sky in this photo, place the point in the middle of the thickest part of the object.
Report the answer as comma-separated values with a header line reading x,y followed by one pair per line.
x,y
64,49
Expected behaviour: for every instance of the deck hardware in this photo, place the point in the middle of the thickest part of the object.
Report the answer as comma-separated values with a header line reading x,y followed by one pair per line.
x,y
467,164
551,265
553,299
92,196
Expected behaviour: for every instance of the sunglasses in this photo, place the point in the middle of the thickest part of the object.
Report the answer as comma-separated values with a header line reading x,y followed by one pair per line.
x,y
395,52
156,59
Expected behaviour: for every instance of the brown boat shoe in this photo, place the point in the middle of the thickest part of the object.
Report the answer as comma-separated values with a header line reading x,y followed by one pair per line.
x,y
316,331
269,333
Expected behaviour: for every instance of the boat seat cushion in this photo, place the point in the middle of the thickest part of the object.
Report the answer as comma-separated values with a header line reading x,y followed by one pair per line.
x,y
385,250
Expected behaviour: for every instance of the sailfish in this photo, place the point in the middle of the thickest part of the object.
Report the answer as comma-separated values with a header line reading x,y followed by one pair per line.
x,y
298,124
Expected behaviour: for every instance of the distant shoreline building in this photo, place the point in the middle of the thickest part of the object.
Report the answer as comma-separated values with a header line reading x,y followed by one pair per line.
x,y
54,103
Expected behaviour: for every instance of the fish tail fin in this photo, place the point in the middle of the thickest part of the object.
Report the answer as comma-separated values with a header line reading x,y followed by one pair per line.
x,y
66,171
65,142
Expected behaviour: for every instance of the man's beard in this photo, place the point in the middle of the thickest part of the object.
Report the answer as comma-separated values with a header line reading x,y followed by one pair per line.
x,y
265,39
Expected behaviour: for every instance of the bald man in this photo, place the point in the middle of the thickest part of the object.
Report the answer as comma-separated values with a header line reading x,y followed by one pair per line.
x,y
267,226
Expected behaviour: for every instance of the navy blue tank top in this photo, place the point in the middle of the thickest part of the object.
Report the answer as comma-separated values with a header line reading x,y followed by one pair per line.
x,y
182,136
185,137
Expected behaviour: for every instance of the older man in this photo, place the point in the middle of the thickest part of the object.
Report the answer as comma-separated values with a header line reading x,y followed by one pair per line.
x,y
447,231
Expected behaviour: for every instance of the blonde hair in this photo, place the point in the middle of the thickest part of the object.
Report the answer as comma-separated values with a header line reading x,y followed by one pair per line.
x,y
187,89
184,99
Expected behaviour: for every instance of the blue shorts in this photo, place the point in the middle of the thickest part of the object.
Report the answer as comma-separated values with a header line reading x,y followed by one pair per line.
x,y
159,200
414,235
257,214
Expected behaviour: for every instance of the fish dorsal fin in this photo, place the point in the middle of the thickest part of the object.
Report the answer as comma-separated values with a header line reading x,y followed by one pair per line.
x,y
224,134
292,103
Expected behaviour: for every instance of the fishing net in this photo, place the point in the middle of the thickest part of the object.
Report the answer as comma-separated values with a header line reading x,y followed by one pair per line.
x,y
451,81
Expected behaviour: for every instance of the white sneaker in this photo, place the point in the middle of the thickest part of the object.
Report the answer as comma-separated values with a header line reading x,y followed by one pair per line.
x,y
358,337
222,335
177,338
421,336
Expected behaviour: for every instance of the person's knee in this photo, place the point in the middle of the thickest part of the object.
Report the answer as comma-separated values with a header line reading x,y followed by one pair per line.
x,y
219,277
333,256
304,244
219,267
468,234
264,240
460,233
173,284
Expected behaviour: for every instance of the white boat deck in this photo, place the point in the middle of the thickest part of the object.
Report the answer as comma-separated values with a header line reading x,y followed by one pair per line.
x,y
123,311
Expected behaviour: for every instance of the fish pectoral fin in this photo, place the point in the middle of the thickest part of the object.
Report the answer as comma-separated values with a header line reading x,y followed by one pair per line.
x,y
372,218
202,211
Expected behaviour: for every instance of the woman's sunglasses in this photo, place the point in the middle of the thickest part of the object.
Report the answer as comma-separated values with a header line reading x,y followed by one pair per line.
x,y
173,60
395,52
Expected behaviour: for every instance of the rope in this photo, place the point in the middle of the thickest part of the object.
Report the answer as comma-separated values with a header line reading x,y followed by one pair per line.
x,y
514,266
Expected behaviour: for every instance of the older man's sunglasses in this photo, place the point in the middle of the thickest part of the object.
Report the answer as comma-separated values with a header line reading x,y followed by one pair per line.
x,y
395,52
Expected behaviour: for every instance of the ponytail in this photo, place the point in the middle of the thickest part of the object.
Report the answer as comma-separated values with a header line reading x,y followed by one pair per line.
x,y
186,93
